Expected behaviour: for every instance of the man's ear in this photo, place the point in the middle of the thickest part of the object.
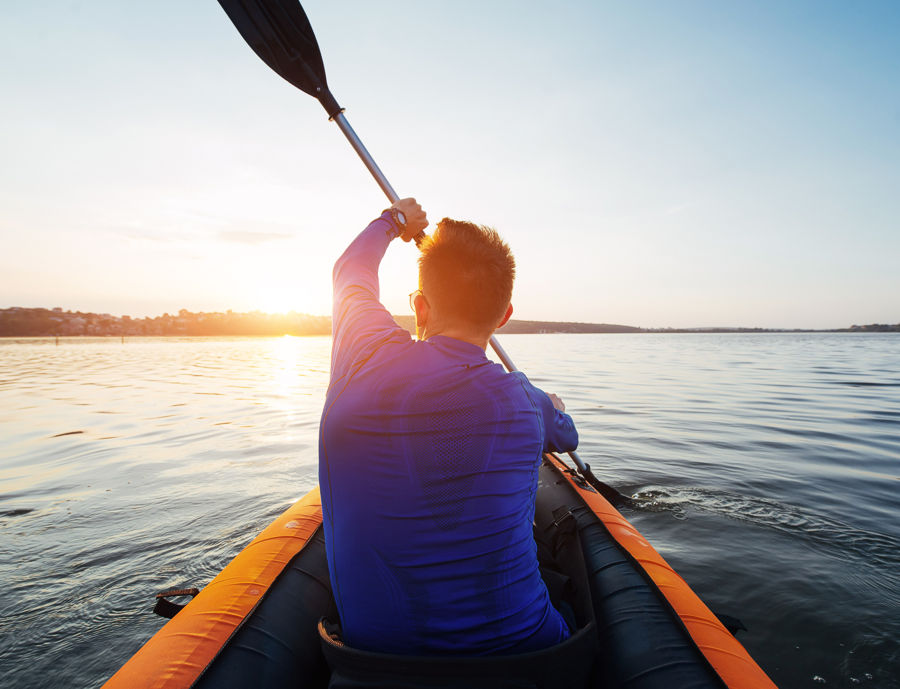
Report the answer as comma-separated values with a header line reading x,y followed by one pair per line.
x,y
507,315
423,310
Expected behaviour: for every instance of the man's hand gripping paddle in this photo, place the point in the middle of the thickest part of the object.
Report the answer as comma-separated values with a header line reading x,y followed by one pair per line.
x,y
281,35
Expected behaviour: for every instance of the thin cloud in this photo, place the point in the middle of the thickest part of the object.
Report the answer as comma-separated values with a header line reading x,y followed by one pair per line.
x,y
144,234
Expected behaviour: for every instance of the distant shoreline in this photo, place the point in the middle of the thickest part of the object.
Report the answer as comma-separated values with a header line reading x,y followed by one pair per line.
x,y
42,322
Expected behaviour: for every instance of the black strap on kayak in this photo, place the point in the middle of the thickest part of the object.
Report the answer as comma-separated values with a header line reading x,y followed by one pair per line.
x,y
166,608
732,624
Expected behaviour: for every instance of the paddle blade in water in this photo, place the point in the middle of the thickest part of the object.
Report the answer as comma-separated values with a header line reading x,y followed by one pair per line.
x,y
279,32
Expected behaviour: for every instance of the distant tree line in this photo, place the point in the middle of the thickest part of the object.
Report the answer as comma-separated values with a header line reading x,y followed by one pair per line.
x,y
27,322
875,328
21,322
39,322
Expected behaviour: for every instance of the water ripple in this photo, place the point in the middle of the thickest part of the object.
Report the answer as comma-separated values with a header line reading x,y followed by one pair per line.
x,y
878,549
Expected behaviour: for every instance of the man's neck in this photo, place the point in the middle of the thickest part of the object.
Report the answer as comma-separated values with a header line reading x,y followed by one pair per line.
x,y
457,334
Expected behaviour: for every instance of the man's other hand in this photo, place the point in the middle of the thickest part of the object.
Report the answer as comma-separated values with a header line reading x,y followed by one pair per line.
x,y
416,220
557,402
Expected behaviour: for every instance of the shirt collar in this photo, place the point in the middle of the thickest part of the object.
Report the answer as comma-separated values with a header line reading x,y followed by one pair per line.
x,y
466,351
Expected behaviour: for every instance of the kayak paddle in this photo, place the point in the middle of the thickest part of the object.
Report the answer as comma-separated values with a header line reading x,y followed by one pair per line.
x,y
279,32
281,35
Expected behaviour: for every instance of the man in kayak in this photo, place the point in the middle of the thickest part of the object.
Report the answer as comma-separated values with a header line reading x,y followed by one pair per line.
x,y
429,454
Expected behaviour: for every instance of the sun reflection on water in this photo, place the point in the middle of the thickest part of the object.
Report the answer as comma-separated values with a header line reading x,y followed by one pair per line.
x,y
296,367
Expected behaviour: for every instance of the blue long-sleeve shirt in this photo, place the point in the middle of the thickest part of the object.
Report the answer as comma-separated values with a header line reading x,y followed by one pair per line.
x,y
428,464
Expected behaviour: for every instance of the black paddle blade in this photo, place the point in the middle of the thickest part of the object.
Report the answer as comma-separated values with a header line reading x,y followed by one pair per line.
x,y
279,32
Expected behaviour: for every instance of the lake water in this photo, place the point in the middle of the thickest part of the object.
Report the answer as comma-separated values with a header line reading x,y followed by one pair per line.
x,y
768,464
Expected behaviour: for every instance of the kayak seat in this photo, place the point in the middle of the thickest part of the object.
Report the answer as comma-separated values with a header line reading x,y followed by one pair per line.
x,y
567,665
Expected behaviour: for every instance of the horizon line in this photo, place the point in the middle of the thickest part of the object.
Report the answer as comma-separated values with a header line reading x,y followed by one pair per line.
x,y
295,313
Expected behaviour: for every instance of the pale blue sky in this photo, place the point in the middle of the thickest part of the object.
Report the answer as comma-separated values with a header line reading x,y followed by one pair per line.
x,y
660,164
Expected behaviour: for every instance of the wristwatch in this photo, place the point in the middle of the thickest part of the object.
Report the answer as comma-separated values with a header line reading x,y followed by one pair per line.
x,y
399,219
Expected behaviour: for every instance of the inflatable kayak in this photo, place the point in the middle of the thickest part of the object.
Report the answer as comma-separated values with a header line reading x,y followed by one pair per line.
x,y
268,619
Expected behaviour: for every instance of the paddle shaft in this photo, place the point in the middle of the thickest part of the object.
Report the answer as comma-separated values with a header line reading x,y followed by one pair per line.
x,y
370,164
366,157
393,196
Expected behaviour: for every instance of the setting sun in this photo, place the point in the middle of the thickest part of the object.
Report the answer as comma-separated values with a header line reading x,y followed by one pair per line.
x,y
284,298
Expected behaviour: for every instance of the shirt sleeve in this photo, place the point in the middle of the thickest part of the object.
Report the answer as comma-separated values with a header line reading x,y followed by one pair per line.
x,y
359,322
560,434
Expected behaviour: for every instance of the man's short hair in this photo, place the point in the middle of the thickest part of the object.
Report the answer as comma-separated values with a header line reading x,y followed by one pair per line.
x,y
466,273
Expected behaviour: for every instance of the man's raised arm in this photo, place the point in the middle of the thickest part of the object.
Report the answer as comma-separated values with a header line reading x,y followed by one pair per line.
x,y
358,318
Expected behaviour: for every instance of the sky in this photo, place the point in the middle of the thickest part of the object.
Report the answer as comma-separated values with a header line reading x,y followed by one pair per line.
x,y
651,163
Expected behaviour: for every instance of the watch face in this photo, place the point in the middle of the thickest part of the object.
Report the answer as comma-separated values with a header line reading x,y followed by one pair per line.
x,y
401,218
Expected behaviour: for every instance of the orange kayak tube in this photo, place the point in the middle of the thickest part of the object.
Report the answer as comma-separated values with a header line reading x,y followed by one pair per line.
x,y
724,652
179,652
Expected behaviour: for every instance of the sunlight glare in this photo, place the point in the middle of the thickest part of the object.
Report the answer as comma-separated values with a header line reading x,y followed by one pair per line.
x,y
281,299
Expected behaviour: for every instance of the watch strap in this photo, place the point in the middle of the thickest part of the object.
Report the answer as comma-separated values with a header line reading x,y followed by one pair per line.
x,y
394,216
